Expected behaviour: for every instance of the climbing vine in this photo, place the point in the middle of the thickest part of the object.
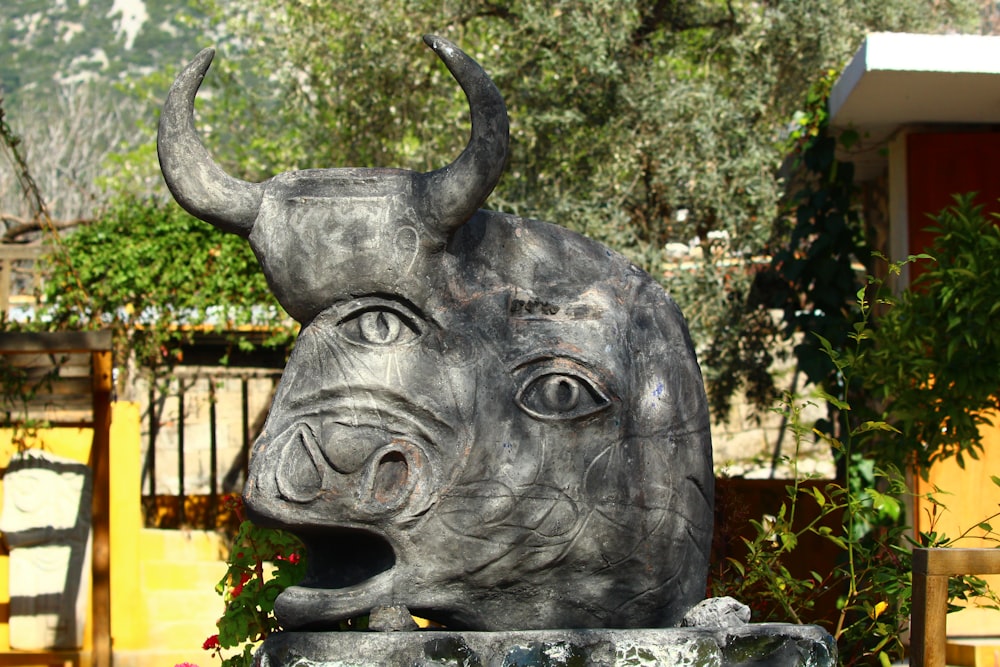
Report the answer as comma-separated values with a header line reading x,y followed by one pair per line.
x,y
156,276
819,254
820,243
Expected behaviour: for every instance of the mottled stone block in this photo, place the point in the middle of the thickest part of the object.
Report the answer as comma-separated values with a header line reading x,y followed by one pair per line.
x,y
774,645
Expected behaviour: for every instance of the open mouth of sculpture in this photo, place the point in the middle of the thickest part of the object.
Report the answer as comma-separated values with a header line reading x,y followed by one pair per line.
x,y
349,571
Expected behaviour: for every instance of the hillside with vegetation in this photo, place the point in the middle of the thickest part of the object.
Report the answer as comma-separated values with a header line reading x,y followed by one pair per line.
x,y
49,44
67,74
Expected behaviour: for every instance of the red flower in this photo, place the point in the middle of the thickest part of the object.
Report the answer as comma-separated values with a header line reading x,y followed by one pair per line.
x,y
238,588
211,643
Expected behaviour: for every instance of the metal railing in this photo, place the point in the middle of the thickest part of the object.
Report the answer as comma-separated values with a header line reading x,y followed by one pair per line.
x,y
199,427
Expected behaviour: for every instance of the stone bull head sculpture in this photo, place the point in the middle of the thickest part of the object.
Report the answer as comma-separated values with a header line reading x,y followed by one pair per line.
x,y
492,421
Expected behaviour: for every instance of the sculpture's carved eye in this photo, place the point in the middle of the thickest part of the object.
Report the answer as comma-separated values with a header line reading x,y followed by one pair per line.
x,y
561,394
379,325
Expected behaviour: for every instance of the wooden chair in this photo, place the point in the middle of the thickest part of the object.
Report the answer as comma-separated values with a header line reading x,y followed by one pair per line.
x,y
931,570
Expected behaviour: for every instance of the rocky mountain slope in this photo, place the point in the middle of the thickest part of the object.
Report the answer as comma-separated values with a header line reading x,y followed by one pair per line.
x,y
47,43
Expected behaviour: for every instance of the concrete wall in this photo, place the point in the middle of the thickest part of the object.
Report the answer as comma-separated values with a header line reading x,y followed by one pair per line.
x,y
72,443
755,444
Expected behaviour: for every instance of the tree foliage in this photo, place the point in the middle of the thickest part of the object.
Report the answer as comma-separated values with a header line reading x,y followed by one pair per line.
x,y
638,123
818,243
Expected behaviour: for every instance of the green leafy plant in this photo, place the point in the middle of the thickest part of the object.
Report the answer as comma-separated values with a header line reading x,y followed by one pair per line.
x,y
935,357
262,562
860,518
155,275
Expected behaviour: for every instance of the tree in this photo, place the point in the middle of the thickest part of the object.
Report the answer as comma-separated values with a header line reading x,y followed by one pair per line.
x,y
638,123
67,143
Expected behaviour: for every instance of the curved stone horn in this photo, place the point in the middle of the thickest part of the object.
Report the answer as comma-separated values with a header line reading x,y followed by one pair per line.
x,y
196,181
453,193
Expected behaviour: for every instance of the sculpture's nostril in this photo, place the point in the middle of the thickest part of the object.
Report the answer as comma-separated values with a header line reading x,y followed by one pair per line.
x,y
298,476
391,475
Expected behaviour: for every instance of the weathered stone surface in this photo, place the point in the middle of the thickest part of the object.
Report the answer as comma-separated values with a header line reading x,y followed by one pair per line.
x,y
774,645
724,612
491,421
395,618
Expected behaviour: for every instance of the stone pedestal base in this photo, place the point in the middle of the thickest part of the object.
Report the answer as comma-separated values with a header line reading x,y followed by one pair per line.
x,y
774,645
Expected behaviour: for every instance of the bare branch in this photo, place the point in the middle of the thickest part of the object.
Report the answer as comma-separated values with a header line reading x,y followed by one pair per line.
x,y
65,141
22,226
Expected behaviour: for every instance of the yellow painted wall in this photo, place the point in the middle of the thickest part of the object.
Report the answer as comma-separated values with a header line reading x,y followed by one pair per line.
x,y
128,624
73,443
163,604
970,497
128,620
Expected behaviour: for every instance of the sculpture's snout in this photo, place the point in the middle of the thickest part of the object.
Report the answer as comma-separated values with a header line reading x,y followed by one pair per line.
x,y
365,474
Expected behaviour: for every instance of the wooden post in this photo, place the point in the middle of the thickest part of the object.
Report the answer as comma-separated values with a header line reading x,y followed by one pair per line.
x,y
9,254
5,271
99,455
928,624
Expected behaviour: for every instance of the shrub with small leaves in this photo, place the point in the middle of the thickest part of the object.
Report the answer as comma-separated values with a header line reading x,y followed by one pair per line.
x,y
936,354
262,563
860,517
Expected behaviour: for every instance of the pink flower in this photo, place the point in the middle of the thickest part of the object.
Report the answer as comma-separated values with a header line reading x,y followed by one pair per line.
x,y
292,558
185,664
211,643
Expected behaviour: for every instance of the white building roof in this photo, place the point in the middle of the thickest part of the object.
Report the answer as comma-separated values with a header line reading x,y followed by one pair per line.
x,y
898,79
